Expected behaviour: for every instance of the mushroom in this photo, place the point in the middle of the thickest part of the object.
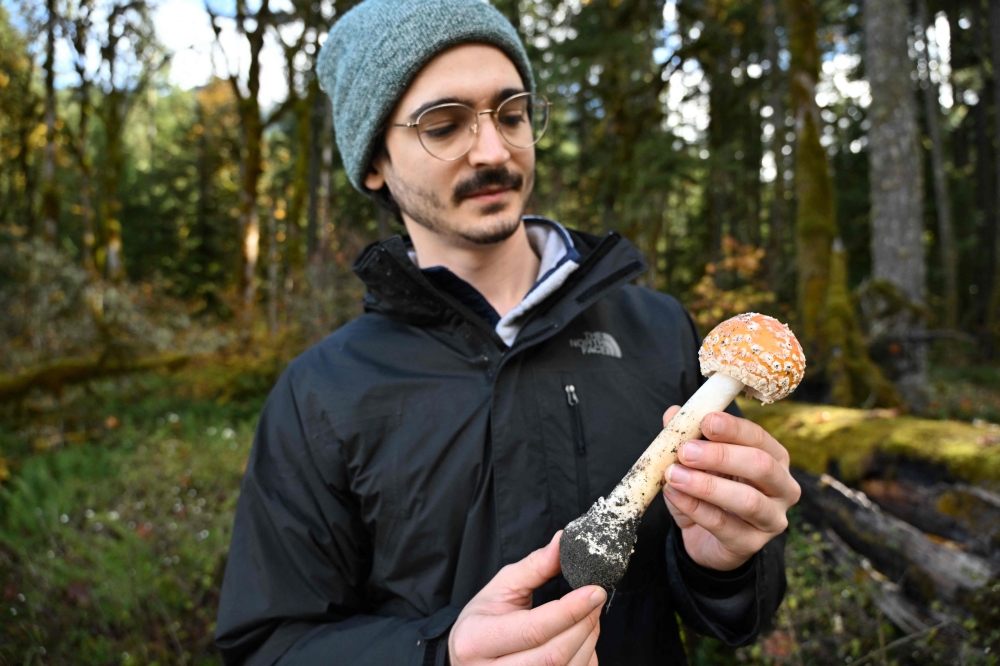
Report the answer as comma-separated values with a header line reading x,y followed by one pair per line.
x,y
749,352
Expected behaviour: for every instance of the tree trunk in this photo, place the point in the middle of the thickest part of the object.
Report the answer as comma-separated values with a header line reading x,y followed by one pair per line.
x,y
50,195
985,172
318,107
778,216
272,272
249,216
993,313
111,258
895,547
816,222
828,327
896,176
946,231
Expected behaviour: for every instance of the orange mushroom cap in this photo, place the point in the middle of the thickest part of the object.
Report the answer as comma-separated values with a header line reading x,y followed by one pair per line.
x,y
757,350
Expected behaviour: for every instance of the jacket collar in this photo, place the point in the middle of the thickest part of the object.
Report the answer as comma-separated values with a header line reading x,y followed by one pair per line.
x,y
398,289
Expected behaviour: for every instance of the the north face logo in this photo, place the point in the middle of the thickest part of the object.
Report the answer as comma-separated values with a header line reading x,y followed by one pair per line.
x,y
598,343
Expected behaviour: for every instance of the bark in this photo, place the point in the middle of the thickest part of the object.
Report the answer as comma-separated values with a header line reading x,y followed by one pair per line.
x,y
993,313
50,196
82,26
896,174
318,110
816,222
894,547
110,257
946,231
778,215
985,171
272,272
853,377
828,330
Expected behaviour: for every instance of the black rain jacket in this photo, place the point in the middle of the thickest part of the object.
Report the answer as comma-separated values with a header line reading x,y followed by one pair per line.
x,y
402,461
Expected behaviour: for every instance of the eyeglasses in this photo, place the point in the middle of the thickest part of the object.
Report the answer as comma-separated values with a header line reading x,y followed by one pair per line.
x,y
448,131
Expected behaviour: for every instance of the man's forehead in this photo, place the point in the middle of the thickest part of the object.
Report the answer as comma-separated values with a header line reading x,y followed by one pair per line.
x,y
493,100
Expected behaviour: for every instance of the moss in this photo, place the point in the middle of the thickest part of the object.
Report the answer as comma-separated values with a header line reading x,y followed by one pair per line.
x,y
818,435
854,378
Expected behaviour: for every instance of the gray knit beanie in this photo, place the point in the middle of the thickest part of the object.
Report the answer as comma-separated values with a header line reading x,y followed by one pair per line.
x,y
376,49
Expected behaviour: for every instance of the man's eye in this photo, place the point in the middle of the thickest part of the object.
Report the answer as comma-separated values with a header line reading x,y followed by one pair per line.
x,y
440,131
512,119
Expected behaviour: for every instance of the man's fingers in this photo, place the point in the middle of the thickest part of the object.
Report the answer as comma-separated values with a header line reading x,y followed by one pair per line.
x,y
737,499
530,629
585,655
670,413
722,427
755,465
528,574
561,649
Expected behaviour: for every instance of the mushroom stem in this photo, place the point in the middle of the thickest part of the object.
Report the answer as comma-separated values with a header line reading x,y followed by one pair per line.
x,y
641,484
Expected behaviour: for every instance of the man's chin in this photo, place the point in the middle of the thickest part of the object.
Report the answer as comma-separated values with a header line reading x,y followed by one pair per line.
x,y
489,229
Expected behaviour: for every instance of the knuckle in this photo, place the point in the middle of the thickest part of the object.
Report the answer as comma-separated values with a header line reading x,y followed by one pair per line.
x,y
554,657
796,492
462,650
782,523
716,521
709,484
531,635
765,464
753,503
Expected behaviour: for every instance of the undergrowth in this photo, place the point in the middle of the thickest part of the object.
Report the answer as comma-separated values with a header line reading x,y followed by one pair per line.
x,y
116,519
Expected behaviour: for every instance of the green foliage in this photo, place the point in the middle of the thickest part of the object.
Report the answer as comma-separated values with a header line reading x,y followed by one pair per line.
x,y
118,545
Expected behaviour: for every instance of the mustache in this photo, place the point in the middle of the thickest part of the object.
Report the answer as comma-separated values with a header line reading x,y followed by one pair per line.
x,y
487,178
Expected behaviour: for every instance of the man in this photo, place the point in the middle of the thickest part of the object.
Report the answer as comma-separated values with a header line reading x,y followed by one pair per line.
x,y
410,472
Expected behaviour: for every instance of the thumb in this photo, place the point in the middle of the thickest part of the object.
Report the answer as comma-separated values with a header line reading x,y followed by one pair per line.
x,y
524,576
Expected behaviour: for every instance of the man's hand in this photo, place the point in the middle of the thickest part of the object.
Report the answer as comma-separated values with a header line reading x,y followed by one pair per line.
x,y
730,495
499,626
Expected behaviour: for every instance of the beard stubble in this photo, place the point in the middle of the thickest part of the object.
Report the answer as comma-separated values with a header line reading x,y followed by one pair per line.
x,y
427,209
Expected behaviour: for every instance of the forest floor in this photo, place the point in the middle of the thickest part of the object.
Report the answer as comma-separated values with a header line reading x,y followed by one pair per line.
x,y
115,522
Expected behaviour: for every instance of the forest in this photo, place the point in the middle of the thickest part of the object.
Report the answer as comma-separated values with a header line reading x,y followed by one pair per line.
x,y
176,226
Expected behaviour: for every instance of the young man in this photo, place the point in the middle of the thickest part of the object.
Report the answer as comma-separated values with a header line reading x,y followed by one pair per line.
x,y
410,472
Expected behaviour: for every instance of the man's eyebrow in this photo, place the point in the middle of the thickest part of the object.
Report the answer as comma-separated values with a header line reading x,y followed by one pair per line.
x,y
498,97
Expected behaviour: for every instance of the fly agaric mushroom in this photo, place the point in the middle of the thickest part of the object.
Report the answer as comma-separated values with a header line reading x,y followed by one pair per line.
x,y
749,352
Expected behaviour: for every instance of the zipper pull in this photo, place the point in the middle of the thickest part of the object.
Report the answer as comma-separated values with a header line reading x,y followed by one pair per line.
x,y
571,398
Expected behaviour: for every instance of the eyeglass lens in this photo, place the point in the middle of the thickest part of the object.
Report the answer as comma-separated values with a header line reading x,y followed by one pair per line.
x,y
446,131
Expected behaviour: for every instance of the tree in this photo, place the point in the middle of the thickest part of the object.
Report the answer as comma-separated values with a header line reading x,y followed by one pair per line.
x,y
896,178
50,193
828,326
252,26
130,57
942,198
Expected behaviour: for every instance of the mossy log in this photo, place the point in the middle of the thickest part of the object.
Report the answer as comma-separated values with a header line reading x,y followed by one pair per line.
x,y
929,569
53,376
820,437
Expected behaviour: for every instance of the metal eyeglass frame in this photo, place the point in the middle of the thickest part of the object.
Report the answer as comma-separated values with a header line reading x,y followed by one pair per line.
x,y
475,126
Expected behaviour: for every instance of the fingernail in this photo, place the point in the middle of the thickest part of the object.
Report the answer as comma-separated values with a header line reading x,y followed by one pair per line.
x,y
678,474
597,597
691,451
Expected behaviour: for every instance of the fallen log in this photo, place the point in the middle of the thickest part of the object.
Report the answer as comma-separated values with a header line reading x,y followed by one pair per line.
x,y
900,551
54,376
820,438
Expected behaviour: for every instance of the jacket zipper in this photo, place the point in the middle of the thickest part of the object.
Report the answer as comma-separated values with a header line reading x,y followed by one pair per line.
x,y
576,424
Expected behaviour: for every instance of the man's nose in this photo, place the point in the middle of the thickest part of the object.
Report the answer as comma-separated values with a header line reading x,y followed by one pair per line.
x,y
489,148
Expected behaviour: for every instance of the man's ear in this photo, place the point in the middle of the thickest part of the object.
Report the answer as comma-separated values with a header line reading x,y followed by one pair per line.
x,y
375,179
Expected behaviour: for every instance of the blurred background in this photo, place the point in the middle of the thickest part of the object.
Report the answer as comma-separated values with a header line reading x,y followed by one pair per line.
x,y
175,226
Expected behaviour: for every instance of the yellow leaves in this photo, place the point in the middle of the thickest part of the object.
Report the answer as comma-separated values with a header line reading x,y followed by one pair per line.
x,y
4,80
731,285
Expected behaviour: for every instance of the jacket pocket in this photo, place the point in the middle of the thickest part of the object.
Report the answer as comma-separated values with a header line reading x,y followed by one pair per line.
x,y
579,448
